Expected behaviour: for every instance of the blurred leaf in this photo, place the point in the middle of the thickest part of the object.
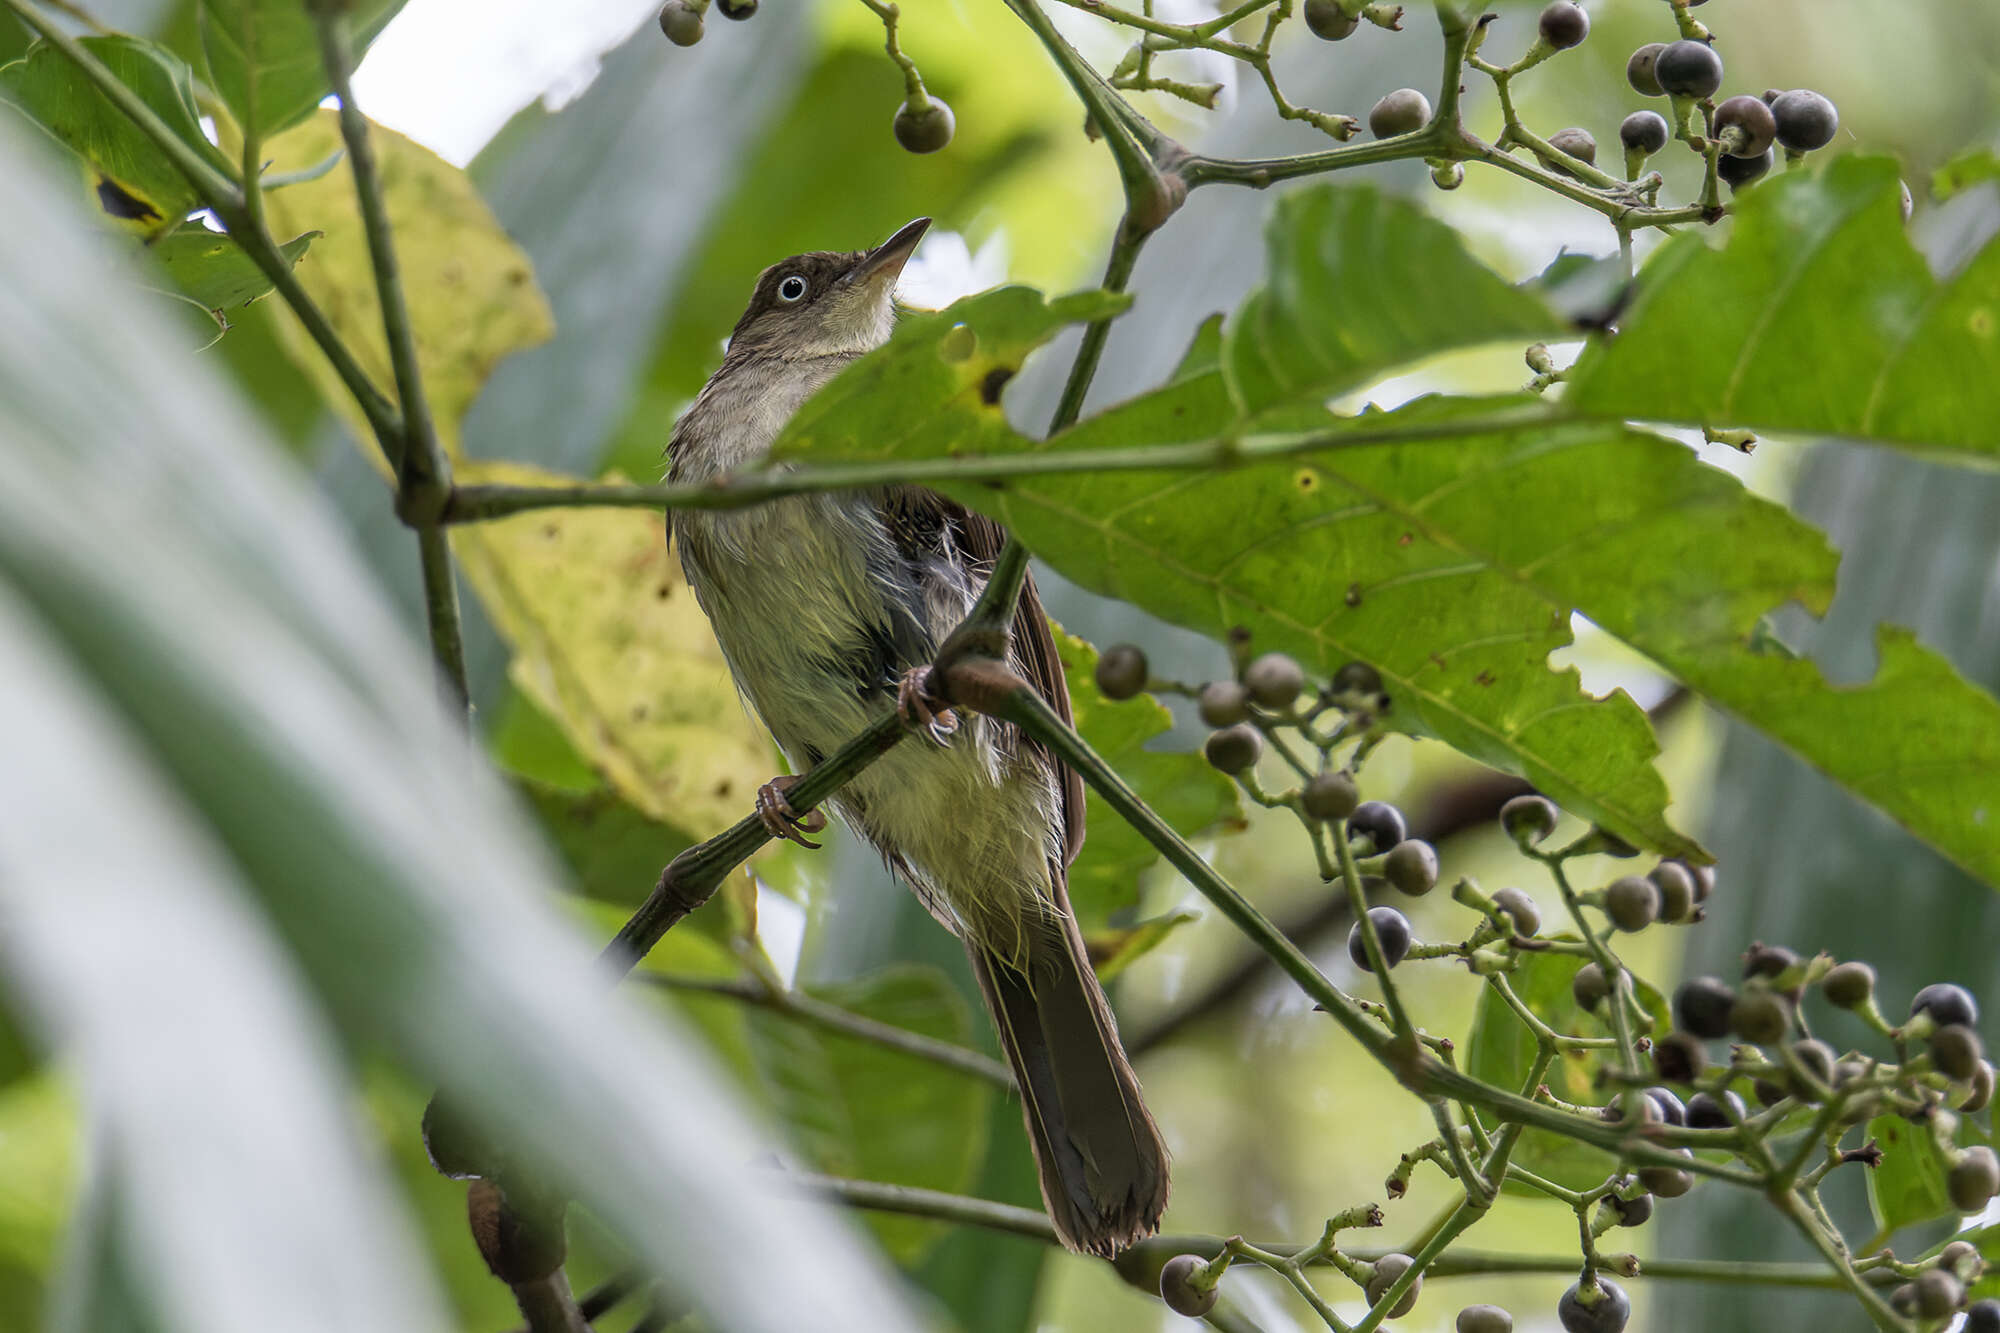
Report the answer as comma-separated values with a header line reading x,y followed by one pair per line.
x,y
39,1176
212,269
292,808
1114,950
1180,786
863,1110
1909,1186
1818,317
1975,166
264,59
1501,1050
609,642
1361,282
471,294
131,181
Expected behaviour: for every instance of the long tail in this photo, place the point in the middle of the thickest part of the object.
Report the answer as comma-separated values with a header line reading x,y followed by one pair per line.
x,y
1103,1165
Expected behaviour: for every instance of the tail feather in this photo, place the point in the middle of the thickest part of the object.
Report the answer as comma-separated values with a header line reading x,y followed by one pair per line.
x,y
1102,1162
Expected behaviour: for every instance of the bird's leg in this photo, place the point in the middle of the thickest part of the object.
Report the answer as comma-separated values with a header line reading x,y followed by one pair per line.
x,y
778,817
919,706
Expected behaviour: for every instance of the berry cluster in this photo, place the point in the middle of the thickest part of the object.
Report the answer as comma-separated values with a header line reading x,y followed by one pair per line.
x,y
923,123
1805,1092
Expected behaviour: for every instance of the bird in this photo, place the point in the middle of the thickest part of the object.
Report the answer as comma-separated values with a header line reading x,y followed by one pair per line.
x,y
828,608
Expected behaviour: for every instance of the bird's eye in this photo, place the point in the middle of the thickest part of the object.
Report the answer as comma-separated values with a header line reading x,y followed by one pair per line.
x,y
792,288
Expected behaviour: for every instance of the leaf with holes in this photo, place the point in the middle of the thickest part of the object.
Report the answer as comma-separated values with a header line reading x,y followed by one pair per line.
x,y
1182,788
131,181
1818,317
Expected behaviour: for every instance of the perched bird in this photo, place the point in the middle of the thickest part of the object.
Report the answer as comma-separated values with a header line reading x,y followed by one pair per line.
x,y
826,607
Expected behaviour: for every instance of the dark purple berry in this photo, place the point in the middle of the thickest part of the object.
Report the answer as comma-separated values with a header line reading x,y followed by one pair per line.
x,y
925,128
1234,749
1644,132
1688,69
1702,1006
1640,72
1606,1310
1737,172
1752,122
1377,822
1946,1004
1564,25
1392,932
1804,120
1178,1289
1704,1111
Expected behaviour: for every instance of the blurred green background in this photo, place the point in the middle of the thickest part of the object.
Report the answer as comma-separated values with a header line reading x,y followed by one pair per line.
x,y
649,201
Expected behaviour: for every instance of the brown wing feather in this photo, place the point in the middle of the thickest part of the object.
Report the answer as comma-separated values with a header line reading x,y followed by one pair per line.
x,y
981,539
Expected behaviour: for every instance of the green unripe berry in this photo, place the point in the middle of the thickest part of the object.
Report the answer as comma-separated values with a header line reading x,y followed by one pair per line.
x,y
1223,703
1404,111
1328,21
1956,1051
1178,1289
1483,1319
1632,903
1848,985
1564,25
1760,1016
925,128
1234,749
1330,796
1816,1061
1274,680
1981,1089
681,22
1529,819
1121,672
1640,72
1412,866
1973,1179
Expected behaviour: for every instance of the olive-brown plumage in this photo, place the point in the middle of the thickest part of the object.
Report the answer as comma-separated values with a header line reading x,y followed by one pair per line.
x,y
822,604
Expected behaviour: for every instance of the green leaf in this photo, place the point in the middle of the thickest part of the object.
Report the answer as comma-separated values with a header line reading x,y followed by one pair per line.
x,y
1909,1186
1182,788
1358,283
613,852
1974,166
264,58
211,268
1501,1050
131,182
1818,317
862,1110
1114,950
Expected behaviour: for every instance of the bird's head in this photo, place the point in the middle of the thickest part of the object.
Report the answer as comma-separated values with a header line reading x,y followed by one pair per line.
x,y
826,303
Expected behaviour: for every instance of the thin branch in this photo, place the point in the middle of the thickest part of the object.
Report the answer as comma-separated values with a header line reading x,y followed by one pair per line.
x,y
474,504
226,201
441,616
912,1201
818,1013
423,474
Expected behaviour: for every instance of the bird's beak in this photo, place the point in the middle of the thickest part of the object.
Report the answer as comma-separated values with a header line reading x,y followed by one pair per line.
x,y
885,261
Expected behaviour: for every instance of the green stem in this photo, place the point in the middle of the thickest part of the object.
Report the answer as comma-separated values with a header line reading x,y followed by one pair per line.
x,y
818,1013
695,873
1878,1309
227,202
441,616
1118,268
475,504
423,474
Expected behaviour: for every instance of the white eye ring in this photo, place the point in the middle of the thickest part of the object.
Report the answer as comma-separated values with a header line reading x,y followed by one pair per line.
x,y
792,288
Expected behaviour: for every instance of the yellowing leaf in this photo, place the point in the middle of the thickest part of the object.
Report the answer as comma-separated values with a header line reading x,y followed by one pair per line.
x,y
471,293
608,641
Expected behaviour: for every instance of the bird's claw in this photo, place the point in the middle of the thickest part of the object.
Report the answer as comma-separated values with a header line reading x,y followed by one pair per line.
x,y
780,820
919,707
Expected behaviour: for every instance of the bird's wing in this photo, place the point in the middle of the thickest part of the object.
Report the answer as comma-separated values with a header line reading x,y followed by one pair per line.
x,y
1035,644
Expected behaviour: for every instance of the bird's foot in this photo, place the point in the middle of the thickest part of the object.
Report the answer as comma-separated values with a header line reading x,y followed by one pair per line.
x,y
780,820
919,706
